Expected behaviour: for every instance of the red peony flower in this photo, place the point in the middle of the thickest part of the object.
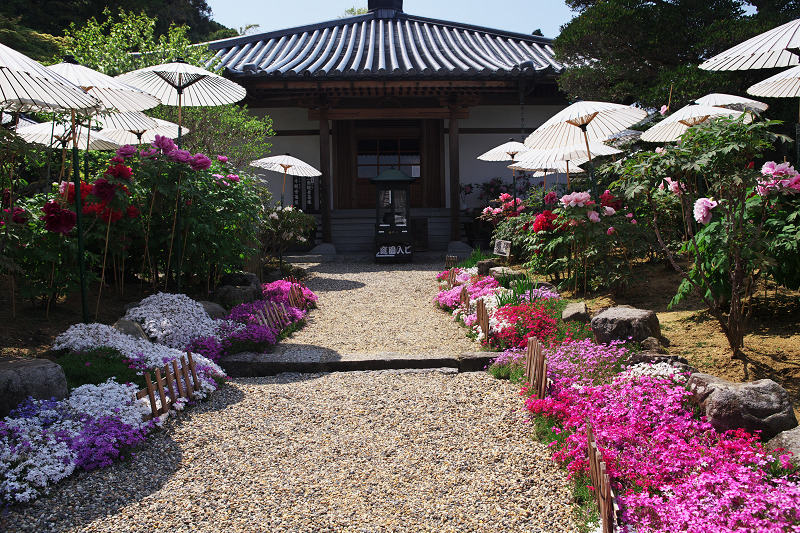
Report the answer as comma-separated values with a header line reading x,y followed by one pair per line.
x,y
132,211
120,172
58,219
609,200
544,221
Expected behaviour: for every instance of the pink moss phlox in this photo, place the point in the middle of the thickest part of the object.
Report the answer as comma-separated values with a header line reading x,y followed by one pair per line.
x,y
278,292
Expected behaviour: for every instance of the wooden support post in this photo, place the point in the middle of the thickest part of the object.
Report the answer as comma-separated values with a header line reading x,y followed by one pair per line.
x,y
161,395
193,369
170,383
455,177
185,373
178,380
325,179
150,394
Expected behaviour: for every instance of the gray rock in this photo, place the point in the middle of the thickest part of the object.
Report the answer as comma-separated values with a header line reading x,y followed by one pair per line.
x,y
789,440
575,312
761,405
129,327
502,272
240,279
622,323
214,310
228,296
652,344
21,377
485,267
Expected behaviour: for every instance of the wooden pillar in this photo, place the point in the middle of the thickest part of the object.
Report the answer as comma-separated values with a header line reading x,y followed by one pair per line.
x,y
325,179
455,178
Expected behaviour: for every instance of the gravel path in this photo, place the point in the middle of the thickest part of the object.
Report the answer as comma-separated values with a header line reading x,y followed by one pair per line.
x,y
387,451
369,308
351,452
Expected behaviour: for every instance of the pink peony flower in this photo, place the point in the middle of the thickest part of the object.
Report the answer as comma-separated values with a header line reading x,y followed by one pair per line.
x,y
660,150
593,216
633,221
608,211
664,109
629,215
610,230
674,186
702,209
576,199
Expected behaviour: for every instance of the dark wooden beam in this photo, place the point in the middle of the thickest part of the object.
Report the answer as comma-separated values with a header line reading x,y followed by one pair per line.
x,y
455,177
325,179
388,113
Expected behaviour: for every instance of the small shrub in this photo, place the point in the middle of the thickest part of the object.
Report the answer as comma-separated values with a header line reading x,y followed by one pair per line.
x,y
95,366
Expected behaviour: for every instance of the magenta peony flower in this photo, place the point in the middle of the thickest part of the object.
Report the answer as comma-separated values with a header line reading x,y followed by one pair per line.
x,y
550,198
127,150
57,219
150,153
702,209
199,162
222,159
610,230
234,178
165,144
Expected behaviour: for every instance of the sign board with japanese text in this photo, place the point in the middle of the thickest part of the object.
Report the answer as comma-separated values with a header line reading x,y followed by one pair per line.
x,y
502,248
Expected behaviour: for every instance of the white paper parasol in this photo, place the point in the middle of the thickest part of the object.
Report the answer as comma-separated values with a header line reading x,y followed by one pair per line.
x,y
115,95
731,101
287,165
672,127
59,135
26,85
777,47
133,135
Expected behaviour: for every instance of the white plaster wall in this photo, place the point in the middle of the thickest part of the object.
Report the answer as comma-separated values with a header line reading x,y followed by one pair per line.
x,y
304,147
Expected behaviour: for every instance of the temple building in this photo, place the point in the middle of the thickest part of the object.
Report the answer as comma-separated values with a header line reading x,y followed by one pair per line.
x,y
356,96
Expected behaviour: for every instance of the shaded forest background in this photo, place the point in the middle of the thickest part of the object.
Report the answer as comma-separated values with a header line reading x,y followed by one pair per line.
x,y
35,28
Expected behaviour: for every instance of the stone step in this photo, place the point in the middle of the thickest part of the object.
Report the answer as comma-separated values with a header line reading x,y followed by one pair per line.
x,y
250,364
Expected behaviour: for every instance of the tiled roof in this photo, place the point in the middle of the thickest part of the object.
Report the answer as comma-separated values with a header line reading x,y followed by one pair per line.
x,y
386,44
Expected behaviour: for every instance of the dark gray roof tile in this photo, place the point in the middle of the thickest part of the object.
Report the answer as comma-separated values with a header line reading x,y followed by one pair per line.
x,y
386,44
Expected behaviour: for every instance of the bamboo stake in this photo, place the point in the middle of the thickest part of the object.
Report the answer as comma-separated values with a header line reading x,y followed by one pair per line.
x,y
103,275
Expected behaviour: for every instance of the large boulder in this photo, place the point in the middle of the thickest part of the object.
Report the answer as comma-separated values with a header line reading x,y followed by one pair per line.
x,y
129,327
228,296
21,377
575,312
236,288
789,440
623,323
761,405
485,266
214,310
240,279
501,272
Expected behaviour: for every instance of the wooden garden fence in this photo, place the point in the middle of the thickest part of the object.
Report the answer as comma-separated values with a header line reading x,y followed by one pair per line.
x,y
463,300
483,317
604,494
180,380
536,368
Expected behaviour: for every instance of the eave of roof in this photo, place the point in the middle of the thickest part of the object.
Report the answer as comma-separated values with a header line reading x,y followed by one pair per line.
x,y
386,44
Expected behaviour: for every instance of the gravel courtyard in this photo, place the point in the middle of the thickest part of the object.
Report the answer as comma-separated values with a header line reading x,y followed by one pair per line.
x,y
384,451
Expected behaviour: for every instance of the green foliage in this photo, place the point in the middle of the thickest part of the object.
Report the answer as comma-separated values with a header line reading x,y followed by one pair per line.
x,y
129,42
476,255
95,366
731,250
54,16
354,12
659,50
284,228
221,130
39,46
